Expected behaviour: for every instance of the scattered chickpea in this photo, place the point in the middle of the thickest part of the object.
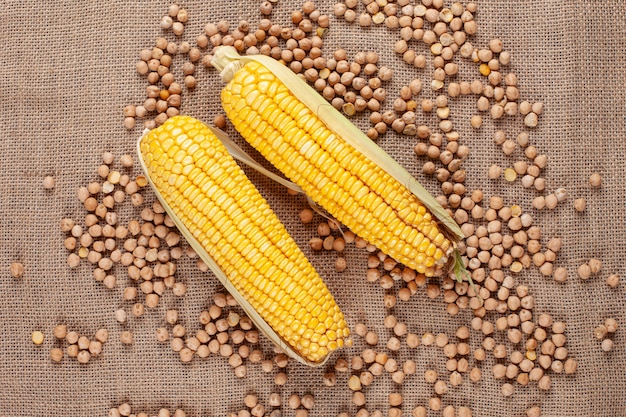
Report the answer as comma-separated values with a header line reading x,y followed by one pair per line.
x,y
600,332
560,274
613,280
595,180
60,331
580,204
17,270
570,366
533,412
430,376
595,265
507,389
354,383
494,171
611,325
83,356
441,387
475,374
419,411
544,383
371,338
48,182
127,161
584,271
306,215
395,399
340,264
120,315
307,401
56,354
476,121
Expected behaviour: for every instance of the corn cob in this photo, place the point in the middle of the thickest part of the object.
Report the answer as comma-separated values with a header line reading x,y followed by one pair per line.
x,y
234,230
341,169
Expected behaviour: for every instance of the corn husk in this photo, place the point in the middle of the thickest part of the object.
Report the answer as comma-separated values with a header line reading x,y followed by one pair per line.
x,y
258,321
228,62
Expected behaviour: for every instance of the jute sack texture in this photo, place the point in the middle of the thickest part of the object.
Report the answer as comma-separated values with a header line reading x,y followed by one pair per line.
x,y
68,70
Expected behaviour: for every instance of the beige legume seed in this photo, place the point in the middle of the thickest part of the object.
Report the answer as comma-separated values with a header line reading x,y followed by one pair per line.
x,y
72,351
499,371
17,270
611,325
584,271
371,338
595,265
83,356
560,274
441,387
476,121
95,347
545,361
570,366
595,180
507,389
545,383
412,340
580,204
56,354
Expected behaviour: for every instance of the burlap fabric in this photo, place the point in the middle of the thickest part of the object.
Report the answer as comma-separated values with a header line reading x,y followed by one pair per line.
x,y
68,70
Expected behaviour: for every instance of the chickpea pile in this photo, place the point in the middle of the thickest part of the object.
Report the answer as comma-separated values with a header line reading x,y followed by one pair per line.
x,y
225,331
77,346
146,249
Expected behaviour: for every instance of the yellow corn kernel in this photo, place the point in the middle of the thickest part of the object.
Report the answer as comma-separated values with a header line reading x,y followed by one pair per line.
x,y
232,227
37,337
510,175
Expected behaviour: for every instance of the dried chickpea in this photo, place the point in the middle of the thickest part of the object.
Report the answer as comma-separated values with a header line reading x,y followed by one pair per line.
x,y
613,280
570,366
441,387
56,354
595,180
584,271
595,265
611,325
17,269
580,204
